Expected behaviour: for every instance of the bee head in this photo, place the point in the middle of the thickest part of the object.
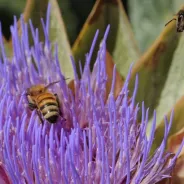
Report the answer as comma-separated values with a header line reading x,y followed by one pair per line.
x,y
40,88
35,90
180,14
180,21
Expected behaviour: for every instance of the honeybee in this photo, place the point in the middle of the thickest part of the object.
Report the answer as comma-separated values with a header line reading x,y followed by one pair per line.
x,y
45,102
180,21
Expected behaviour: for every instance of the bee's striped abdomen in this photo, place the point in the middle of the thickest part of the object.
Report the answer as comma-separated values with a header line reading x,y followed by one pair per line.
x,y
48,106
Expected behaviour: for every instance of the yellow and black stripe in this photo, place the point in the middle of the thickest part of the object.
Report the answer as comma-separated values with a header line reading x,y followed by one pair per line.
x,y
48,106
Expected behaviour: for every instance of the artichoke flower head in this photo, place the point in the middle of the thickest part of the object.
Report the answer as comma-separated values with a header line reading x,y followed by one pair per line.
x,y
96,140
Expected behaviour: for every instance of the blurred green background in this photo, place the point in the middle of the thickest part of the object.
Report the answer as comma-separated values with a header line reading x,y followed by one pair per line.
x,y
147,17
73,11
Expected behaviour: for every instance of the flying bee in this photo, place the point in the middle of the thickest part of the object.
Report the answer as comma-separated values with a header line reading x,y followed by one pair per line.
x,y
179,21
45,102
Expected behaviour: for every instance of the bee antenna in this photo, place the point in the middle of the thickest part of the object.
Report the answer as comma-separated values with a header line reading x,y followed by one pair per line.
x,y
66,78
52,83
170,21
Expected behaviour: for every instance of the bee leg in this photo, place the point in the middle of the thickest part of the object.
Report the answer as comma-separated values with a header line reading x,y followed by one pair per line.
x,y
40,116
57,99
32,106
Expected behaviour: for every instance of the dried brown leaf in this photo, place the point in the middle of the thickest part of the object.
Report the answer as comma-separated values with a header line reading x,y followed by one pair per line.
x,y
175,141
119,80
71,85
178,174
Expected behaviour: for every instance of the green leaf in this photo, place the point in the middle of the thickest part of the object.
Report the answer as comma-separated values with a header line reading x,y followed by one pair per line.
x,y
174,85
120,43
37,9
177,123
148,18
153,68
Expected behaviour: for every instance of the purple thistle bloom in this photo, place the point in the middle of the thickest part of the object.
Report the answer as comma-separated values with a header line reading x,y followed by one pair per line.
x,y
100,142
